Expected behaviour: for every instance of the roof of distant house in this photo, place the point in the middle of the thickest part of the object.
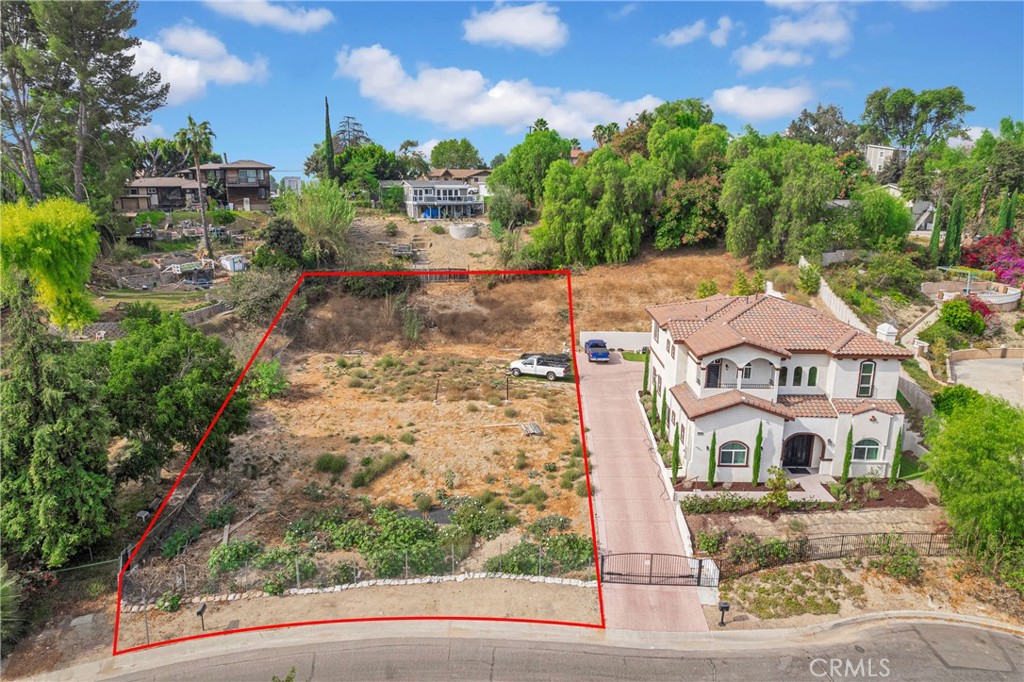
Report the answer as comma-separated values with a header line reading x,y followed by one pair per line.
x,y
243,163
459,173
717,323
436,183
184,183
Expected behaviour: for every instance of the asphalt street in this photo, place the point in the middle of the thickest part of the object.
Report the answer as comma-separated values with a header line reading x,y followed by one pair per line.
x,y
927,652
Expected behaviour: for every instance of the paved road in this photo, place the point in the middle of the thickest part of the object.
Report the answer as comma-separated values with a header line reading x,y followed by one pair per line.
x,y
897,651
1003,377
633,511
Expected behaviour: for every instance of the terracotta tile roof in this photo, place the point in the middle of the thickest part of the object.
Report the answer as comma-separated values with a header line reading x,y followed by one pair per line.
x,y
698,407
717,323
861,405
809,405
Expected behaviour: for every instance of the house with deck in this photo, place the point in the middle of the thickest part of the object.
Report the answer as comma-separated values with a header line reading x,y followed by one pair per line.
x,y
727,365
244,185
474,177
441,200
158,194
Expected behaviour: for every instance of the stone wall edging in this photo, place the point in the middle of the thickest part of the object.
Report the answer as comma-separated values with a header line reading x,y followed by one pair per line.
x,y
433,579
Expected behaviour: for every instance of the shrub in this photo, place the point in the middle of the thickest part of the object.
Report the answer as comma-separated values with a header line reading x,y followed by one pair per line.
x,y
220,216
895,270
1019,326
343,573
543,526
230,557
123,251
954,397
778,486
354,533
710,543
220,517
267,380
711,504
169,602
531,495
487,521
957,315
377,467
327,463
810,279
707,287
274,586
581,488
896,558
437,229
153,218
180,539
407,438
569,552
391,229
423,502
520,560
521,460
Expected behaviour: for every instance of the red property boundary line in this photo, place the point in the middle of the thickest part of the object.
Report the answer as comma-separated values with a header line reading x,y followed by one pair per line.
x,y
404,273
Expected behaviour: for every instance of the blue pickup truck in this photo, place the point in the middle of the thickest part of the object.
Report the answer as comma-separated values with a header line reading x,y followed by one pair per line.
x,y
596,351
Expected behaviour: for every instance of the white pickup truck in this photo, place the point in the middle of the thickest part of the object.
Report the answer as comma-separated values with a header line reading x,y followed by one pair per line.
x,y
539,366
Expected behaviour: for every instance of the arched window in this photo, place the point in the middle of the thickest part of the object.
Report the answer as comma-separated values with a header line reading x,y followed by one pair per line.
x,y
783,376
866,379
867,451
798,376
733,454
812,376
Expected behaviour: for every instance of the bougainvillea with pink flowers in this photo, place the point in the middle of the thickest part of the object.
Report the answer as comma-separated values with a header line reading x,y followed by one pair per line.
x,y
1001,253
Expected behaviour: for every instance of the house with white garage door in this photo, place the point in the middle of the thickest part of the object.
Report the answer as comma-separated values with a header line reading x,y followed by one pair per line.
x,y
727,365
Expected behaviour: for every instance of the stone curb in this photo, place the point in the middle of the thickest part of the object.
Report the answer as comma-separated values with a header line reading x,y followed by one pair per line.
x,y
424,580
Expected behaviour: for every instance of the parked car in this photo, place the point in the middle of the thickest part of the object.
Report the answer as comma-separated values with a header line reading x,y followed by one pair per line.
x,y
554,358
596,351
540,367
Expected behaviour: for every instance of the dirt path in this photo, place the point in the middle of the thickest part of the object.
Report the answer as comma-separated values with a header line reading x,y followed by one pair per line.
x,y
488,598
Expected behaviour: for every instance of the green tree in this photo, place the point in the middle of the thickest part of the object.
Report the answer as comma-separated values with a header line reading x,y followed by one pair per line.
x,y
826,126
880,217
760,281
51,244
951,244
506,209
327,149
166,382
350,133
689,214
712,458
106,99
675,457
848,457
897,459
654,411
933,242
1007,213
707,287
663,422
741,287
527,164
196,139
974,461
282,246
915,120
498,159
647,369
455,154
54,433
323,215
756,472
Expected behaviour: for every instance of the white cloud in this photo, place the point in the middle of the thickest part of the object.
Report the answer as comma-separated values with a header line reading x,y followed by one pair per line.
x,y
150,131
625,11
464,98
683,34
755,104
828,24
720,36
427,147
263,13
924,5
189,58
757,57
534,27
973,133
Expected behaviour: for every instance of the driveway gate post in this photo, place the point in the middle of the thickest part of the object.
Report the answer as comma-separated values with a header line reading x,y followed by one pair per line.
x,y
650,570
700,570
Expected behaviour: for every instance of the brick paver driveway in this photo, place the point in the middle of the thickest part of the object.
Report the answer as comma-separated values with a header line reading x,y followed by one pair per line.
x,y
632,509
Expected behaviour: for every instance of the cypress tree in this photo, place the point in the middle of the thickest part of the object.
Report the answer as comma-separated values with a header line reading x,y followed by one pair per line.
x,y
675,458
1007,213
712,458
756,480
647,370
897,459
664,413
933,245
654,410
328,141
951,245
849,456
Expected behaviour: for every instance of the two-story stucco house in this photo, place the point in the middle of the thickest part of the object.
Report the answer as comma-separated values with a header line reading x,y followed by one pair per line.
x,y
727,364
441,199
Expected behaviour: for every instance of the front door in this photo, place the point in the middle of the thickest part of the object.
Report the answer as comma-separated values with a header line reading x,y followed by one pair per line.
x,y
797,450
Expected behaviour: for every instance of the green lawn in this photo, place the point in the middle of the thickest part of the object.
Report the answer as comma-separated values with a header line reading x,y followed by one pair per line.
x,y
633,357
911,469
167,301
176,245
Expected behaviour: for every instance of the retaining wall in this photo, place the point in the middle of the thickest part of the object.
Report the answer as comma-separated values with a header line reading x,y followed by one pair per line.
x,y
194,317
985,354
632,341
836,305
915,395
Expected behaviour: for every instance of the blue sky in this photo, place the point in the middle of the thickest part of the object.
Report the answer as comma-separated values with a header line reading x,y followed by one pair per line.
x,y
258,70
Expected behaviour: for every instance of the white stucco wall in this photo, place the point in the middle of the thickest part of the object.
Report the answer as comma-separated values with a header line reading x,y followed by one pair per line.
x,y
806,361
885,429
845,372
738,423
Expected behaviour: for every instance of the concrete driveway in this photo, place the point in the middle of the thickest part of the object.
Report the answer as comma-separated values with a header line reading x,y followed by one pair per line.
x,y
632,509
1002,377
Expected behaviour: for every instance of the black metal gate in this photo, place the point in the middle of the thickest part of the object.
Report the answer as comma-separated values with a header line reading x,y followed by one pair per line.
x,y
658,569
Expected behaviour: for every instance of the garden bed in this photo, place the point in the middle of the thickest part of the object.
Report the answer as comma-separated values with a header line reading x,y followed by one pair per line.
x,y
730,487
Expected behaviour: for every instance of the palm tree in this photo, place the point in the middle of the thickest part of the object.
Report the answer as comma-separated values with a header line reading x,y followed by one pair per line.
x,y
197,139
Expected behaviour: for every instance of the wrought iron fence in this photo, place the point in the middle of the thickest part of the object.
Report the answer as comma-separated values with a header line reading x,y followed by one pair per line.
x,y
646,568
750,554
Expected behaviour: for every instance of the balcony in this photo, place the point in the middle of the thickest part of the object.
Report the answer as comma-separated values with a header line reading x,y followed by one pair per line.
x,y
431,199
